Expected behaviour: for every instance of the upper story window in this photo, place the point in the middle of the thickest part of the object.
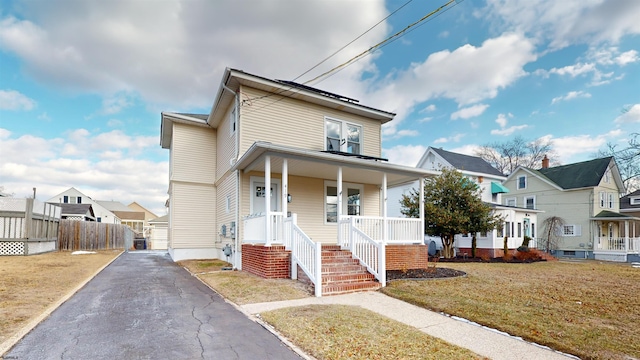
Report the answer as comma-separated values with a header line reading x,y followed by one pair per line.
x,y
602,199
635,200
510,202
530,202
232,121
611,200
343,136
522,182
607,176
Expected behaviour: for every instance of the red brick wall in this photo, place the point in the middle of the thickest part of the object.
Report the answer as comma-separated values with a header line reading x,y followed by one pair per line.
x,y
401,257
271,262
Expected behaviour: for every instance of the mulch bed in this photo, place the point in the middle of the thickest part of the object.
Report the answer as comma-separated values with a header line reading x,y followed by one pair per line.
x,y
437,273
513,260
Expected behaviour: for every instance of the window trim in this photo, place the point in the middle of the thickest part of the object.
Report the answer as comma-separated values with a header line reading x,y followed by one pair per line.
x,y
603,199
345,195
518,182
515,201
526,199
233,121
344,128
610,200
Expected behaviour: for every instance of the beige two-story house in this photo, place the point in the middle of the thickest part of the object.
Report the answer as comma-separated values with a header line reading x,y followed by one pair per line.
x,y
280,178
585,196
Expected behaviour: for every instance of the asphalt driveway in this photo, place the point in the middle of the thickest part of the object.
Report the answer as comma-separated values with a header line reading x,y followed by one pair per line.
x,y
144,306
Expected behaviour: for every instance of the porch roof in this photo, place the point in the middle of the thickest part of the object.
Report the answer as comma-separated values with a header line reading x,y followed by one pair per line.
x,y
611,215
318,164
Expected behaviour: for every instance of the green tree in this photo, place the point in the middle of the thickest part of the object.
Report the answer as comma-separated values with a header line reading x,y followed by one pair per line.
x,y
452,206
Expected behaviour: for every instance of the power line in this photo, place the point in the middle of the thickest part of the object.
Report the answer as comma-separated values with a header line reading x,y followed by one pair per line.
x,y
382,43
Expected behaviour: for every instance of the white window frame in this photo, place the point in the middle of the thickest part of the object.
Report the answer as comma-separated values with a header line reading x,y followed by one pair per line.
x,y
634,201
345,195
602,199
507,200
527,198
571,230
344,129
611,200
518,182
227,206
607,176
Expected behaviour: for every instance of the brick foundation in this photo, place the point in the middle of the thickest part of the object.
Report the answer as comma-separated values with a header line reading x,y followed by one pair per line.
x,y
271,262
401,257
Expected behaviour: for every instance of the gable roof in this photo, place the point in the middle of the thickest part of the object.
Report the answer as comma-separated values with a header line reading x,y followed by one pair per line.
x,y
578,175
113,205
467,162
85,210
625,201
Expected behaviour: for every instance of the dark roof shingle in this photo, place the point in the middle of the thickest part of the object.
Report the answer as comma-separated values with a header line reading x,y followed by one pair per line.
x,y
578,175
467,162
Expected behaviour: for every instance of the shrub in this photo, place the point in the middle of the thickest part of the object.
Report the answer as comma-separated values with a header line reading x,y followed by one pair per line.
x,y
530,255
523,248
525,241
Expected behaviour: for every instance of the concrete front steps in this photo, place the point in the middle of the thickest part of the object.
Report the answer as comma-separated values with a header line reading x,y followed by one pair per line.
x,y
343,274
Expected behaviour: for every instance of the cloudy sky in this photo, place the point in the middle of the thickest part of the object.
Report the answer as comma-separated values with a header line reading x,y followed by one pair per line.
x,y
83,82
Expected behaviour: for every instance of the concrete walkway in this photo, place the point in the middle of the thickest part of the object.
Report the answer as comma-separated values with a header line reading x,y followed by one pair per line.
x,y
144,306
481,340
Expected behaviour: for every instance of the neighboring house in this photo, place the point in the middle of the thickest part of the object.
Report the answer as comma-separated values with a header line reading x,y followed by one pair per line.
x,y
73,196
519,221
134,219
148,215
586,196
278,170
79,212
158,232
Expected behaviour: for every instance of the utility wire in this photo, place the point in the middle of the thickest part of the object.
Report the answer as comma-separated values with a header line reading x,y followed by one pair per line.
x,y
382,43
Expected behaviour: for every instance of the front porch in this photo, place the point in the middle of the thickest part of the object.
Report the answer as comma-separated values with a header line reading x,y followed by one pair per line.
x,y
616,237
301,202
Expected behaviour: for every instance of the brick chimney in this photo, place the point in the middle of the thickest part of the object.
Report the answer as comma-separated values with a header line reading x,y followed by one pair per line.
x,y
545,162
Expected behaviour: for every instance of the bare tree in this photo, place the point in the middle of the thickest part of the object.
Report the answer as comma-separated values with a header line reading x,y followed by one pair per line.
x,y
507,156
551,230
628,161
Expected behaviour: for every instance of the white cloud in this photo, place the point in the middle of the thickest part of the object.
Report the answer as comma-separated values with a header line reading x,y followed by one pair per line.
x,y
429,108
454,138
114,104
571,95
425,119
570,147
405,154
469,112
13,100
497,63
502,121
173,52
100,164
574,70
631,116
569,21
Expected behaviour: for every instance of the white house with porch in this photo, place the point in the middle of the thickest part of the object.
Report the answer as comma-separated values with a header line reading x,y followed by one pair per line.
x,y
289,181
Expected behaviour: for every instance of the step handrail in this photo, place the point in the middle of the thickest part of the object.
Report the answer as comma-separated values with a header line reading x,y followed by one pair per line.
x,y
369,252
304,253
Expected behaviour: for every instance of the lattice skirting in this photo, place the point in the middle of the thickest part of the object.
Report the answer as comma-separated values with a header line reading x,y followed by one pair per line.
x,y
12,248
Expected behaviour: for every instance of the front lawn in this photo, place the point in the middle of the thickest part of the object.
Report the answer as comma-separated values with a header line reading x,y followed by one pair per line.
x,y
590,309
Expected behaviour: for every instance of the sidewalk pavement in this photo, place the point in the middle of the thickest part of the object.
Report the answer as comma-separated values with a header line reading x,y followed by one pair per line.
x,y
481,340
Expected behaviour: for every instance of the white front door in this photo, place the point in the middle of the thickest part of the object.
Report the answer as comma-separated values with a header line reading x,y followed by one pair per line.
x,y
258,193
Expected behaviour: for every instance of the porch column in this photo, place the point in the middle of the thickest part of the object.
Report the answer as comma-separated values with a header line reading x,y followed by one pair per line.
x,y
339,210
285,187
267,199
421,208
385,235
626,236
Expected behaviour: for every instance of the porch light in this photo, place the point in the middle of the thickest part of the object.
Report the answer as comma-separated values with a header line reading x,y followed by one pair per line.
x,y
288,198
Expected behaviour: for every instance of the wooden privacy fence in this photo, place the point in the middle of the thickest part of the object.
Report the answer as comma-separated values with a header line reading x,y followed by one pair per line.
x,y
88,235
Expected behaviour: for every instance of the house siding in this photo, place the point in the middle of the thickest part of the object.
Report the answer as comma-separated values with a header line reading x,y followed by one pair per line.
x,y
574,206
226,188
192,219
226,144
296,123
193,151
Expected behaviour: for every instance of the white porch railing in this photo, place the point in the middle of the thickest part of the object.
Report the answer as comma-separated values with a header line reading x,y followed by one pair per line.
x,y
304,253
399,230
255,228
618,244
369,252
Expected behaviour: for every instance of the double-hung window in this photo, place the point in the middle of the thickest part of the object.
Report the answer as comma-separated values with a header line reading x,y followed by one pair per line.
x,y
522,182
351,200
602,199
530,202
343,136
610,201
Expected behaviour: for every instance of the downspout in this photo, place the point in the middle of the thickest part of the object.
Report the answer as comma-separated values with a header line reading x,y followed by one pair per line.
x,y
235,159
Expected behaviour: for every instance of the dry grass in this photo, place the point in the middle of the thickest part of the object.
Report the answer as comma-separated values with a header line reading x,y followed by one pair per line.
x,y
589,309
242,287
30,284
350,332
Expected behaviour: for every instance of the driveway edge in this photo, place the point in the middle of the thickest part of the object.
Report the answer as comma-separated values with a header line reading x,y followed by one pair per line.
x,y
258,320
12,340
